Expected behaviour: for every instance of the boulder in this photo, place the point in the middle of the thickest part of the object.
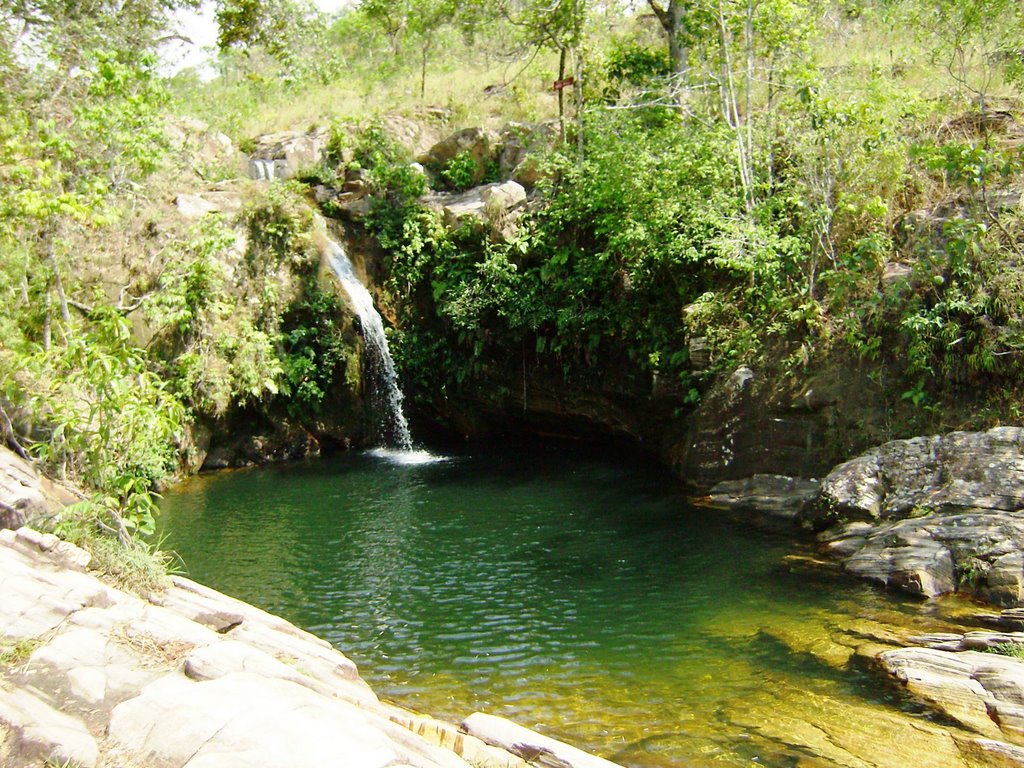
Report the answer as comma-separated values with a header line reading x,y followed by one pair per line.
x,y
24,493
957,471
932,515
415,136
193,206
773,495
478,143
493,205
223,197
281,156
521,143
205,149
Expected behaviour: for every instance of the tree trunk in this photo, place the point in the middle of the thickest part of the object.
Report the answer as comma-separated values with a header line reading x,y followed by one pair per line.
x,y
579,104
561,95
51,261
423,73
678,53
672,20
47,333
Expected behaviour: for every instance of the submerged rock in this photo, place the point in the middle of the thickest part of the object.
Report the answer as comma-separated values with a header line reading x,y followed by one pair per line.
x,y
982,691
530,746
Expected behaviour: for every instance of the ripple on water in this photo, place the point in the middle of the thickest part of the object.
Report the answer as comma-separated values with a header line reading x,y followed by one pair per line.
x,y
573,591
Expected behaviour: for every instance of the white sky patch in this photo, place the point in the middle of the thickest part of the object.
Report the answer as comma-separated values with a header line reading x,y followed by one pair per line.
x,y
200,28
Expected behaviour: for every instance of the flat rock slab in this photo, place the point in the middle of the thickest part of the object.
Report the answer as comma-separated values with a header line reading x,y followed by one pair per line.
x,y
176,722
189,678
982,691
772,495
532,747
40,733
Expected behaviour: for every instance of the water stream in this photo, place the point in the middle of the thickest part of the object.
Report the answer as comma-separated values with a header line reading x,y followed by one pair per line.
x,y
389,427
574,590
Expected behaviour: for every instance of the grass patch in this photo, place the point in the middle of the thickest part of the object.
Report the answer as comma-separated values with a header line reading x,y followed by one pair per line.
x,y
14,653
1011,649
135,566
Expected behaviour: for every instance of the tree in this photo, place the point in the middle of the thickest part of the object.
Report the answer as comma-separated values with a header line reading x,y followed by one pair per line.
x,y
424,23
673,21
974,40
557,25
280,27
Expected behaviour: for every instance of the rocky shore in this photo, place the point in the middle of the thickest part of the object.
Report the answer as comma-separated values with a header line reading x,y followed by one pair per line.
x,y
929,516
91,675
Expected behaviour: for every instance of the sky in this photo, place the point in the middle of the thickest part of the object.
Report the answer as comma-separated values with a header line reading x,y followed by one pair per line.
x,y
200,27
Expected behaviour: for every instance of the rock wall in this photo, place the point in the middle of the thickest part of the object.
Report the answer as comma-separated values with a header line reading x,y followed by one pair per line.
x,y
25,493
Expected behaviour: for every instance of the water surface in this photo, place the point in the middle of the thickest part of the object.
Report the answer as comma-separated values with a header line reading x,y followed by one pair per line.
x,y
570,588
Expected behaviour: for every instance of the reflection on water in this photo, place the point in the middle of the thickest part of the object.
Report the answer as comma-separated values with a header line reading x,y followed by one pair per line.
x,y
575,592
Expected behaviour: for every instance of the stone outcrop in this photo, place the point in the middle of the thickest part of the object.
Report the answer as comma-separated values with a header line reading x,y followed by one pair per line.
x,y
932,515
741,429
496,206
280,156
958,472
520,145
479,144
24,493
776,496
204,148
218,198
190,678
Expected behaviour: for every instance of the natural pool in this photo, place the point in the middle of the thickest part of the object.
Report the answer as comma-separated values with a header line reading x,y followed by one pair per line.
x,y
573,589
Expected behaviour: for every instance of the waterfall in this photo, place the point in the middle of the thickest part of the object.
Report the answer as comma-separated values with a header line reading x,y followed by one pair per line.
x,y
390,429
262,170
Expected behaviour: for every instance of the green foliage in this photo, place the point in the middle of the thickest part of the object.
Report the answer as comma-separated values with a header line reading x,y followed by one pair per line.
x,y
315,350
1011,649
460,172
109,421
272,338
279,229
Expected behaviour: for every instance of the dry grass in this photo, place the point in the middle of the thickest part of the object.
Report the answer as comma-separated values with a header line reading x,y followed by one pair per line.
x,y
153,653
488,93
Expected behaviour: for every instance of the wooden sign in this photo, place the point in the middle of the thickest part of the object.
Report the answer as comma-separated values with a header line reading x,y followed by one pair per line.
x,y
562,84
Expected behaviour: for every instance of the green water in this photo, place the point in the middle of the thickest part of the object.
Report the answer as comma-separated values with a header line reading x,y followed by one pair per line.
x,y
572,589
